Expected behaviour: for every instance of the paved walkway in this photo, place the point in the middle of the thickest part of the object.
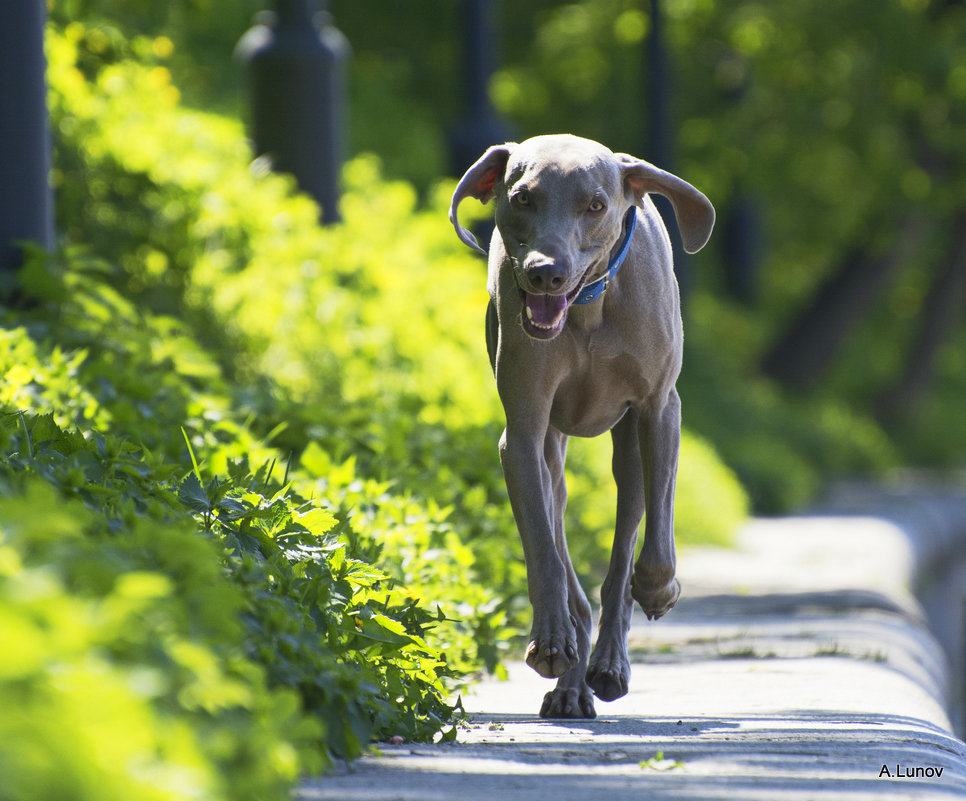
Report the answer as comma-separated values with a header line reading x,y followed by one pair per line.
x,y
797,666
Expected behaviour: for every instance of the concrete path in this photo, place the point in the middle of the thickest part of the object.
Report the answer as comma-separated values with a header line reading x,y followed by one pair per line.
x,y
797,666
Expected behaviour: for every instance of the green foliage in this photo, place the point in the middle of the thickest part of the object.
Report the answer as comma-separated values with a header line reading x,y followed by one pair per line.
x,y
322,618
310,624
782,448
123,674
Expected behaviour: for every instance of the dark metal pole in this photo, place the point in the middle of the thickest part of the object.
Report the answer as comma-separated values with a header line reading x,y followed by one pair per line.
x,y
298,98
659,92
26,208
660,138
741,245
742,231
480,126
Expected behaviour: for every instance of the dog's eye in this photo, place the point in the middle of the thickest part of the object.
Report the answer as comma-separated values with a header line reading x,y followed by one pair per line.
x,y
596,206
522,198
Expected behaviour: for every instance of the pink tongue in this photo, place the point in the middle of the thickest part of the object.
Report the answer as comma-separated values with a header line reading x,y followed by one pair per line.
x,y
545,309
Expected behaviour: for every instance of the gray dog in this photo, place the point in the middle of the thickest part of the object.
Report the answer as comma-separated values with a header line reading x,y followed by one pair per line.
x,y
584,335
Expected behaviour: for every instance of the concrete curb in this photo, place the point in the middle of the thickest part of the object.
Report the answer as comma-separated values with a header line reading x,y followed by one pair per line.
x,y
797,666
932,518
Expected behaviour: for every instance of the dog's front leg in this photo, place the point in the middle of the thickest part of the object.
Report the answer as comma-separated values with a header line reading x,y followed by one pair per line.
x,y
572,697
653,585
553,648
610,669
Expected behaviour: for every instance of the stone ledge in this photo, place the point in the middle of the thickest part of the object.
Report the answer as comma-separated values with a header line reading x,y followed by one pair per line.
x,y
796,666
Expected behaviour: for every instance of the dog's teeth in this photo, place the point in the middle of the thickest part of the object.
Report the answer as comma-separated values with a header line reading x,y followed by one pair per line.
x,y
545,327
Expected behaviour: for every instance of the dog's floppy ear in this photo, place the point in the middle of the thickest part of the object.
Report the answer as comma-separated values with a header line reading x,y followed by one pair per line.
x,y
478,182
693,210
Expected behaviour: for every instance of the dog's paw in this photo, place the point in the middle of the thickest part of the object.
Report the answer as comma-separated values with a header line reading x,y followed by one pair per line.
x,y
608,675
568,702
554,653
655,602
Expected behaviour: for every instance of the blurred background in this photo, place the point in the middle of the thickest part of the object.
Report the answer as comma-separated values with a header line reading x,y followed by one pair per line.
x,y
825,320
250,499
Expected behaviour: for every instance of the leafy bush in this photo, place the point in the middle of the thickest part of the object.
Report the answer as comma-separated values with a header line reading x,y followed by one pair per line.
x,y
781,448
307,614
123,673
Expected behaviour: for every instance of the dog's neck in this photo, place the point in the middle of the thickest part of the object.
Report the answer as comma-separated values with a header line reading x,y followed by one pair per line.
x,y
595,288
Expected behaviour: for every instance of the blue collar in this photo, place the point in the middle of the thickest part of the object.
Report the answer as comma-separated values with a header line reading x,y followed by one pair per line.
x,y
592,291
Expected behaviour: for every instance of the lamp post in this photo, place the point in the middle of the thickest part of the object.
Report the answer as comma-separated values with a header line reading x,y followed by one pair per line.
x,y
26,207
296,67
480,126
660,138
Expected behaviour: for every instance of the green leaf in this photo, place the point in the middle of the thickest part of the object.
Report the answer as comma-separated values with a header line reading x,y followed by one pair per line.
x,y
192,495
380,628
317,520
191,453
233,509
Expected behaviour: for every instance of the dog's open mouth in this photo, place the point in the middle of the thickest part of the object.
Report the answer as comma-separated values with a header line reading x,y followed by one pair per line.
x,y
544,316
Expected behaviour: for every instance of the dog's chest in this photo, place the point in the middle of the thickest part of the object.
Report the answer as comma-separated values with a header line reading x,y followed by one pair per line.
x,y
596,393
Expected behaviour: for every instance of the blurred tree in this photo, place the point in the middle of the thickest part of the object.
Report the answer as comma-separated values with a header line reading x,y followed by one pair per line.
x,y
841,121
942,310
802,355
892,180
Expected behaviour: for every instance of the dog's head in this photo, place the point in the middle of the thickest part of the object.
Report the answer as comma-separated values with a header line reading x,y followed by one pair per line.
x,y
561,202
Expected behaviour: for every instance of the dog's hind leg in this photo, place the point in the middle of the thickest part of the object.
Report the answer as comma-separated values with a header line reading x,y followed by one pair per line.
x,y
654,586
571,698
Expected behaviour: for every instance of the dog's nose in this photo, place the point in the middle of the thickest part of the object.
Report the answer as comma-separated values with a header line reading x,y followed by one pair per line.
x,y
545,274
